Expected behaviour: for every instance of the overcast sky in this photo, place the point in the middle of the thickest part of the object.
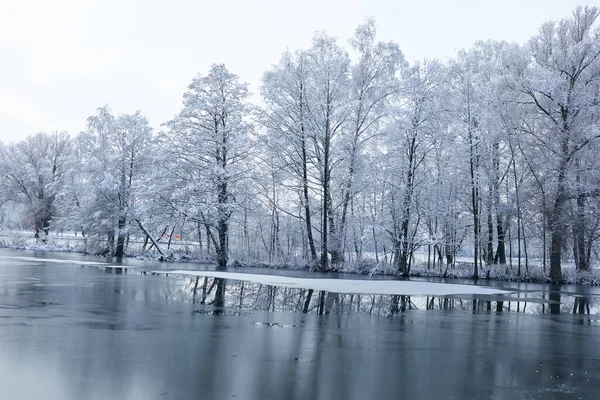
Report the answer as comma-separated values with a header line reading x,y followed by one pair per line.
x,y
61,59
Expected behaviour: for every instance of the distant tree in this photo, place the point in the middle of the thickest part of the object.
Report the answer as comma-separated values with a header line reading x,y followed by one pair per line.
x,y
32,173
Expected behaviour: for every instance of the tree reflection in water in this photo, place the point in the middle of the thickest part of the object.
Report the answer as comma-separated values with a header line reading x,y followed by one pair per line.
x,y
227,293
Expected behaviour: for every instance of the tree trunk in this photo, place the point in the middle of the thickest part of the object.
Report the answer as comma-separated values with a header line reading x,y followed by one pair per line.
x,y
335,246
475,205
326,199
145,243
306,198
199,229
111,243
154,242
307,301
222,227
556,223
321,307
42,228
489,256
403,256
474,165
500,257
220,293
580,252
120,250
170,238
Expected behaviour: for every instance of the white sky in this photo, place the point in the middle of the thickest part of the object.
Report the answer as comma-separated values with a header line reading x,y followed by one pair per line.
x,y
61,59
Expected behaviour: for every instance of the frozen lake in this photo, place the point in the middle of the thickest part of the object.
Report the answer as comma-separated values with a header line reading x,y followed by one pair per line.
x,y
71,329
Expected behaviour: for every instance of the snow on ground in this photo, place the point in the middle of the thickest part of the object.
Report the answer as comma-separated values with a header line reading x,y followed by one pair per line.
x,y
348,286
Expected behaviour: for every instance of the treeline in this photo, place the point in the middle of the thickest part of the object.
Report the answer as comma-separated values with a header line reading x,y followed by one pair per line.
x,y
353,154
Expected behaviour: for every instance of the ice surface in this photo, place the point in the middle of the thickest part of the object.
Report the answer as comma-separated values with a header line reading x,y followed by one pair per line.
x,y
408,288
53,260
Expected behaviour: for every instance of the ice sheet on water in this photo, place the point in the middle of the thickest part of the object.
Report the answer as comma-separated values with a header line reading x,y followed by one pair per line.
x,y
52,260
395,287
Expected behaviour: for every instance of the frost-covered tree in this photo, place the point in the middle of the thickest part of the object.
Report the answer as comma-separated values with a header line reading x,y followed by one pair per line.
x,y
329,110
211,141
353,154
32,174
286,117
374,79
418,115
561,89
115,155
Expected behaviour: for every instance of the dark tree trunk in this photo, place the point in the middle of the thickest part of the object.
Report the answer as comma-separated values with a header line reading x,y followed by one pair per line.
x,y
145,243
120,250
154,242
307,301
500,257
199,229
195,290
489,257
403,256
555,305
42,228
474,165
321,307
222,227
335,247
394,306
305,197
111,243
581,259
474,202
326,195
222,257
170,237
556,222
220,293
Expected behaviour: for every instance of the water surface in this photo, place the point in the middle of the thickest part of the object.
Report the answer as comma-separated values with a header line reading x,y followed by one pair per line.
x,y
70,331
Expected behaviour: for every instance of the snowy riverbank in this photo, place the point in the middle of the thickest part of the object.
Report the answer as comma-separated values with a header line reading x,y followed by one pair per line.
x,y
462,270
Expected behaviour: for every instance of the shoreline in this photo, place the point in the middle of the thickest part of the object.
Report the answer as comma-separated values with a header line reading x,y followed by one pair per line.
x,y
461,271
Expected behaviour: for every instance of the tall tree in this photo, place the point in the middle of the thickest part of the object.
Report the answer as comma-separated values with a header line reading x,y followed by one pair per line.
x,y
561,88
328,94
373,80
286,116
211,139
418,113
115,152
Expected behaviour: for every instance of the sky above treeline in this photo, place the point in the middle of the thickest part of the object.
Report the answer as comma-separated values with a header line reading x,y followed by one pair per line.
x,y
61,59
